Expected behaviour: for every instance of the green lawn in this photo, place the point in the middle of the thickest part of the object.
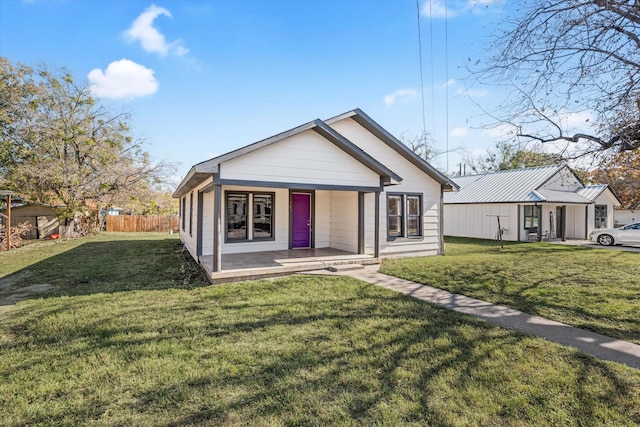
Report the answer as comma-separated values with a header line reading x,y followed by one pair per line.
x,y
595,289
144,342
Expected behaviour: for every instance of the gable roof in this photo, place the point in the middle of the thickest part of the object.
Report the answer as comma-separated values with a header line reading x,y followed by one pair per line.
x,y
524,185
510,186
379,132
592,192
203,170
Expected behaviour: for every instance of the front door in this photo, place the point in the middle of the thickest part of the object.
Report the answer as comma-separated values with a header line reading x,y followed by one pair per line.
x,y
560,211
300,220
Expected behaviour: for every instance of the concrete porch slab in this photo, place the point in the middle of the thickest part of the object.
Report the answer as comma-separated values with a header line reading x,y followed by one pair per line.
x,y
257,265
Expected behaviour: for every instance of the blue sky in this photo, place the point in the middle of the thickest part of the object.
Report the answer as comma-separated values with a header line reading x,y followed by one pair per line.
x,y
201,78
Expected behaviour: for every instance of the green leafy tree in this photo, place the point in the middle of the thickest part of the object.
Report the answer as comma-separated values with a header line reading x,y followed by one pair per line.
x,y
621,172
507,156
68,149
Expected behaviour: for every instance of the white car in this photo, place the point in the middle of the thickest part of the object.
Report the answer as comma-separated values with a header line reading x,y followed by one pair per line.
x,y
625,235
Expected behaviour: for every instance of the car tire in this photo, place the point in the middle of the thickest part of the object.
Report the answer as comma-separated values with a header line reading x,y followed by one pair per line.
x,y
605,240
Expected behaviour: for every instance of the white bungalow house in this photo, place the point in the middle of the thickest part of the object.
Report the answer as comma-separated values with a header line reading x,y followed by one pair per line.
x,y
326,192
539,203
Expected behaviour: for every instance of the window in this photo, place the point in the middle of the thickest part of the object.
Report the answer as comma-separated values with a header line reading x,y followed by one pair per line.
x,y
413,216
240,221
237,216
394,220
530,217
184,212
262,206
404,216
601,216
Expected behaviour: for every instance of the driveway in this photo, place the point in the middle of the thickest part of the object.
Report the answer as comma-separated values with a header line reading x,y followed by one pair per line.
x,y
590,244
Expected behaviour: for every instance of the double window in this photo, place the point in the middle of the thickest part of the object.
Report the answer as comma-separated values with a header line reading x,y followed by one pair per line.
x,y
404,215
601,216
249,216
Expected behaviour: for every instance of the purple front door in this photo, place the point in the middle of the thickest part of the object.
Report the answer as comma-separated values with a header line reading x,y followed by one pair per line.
x,y
301,220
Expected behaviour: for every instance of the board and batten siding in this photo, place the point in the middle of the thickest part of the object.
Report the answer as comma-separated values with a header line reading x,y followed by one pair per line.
x,y
305,158
480,220
414,181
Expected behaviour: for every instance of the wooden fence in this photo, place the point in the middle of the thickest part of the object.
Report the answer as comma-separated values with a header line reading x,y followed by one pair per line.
x,y
134,223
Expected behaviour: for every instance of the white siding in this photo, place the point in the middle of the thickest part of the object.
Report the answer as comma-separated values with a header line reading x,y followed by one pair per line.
x,y
304,158
625,216
344,221
480,221
207,223
564,180
413,181
190,239
322,232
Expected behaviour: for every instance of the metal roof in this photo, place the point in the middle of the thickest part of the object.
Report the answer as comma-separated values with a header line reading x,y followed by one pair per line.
x,y
524,185
591,192
510,186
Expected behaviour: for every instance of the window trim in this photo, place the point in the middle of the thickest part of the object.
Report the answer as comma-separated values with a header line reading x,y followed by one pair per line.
x,y
534,214
404,217
596,217
191,214
184,213
249,237
272,215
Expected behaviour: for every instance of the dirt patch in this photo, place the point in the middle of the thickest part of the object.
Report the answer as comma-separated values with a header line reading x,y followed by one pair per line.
x,y
11,293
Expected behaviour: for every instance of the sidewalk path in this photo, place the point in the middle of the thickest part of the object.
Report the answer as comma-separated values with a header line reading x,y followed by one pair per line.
x,y
591,343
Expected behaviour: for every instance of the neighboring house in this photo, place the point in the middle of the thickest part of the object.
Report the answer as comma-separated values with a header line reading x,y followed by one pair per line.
x,y
625,216
539,203
344,183
41,217
114,210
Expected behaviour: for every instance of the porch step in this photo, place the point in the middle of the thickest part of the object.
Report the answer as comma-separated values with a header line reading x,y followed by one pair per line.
x,y
345,267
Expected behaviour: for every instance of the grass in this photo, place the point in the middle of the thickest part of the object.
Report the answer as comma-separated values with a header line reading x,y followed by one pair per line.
x,y
594,289
159,348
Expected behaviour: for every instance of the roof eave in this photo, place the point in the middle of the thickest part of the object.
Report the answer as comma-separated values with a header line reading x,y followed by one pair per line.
x,y
373,127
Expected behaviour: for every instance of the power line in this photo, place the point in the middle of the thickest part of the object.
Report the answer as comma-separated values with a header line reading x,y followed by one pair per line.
x,y
424,120
446,72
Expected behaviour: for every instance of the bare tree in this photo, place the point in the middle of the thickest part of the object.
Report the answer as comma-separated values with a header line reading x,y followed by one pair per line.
x,y
422,145
564,59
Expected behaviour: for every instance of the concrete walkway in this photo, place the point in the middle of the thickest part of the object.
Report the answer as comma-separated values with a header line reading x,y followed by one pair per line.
x,y
591,343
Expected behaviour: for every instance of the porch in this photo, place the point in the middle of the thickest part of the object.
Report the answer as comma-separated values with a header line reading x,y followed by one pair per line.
x,y
256,265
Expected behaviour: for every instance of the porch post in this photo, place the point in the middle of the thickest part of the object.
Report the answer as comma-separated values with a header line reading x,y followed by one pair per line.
x,y
360,222
217,227
377,226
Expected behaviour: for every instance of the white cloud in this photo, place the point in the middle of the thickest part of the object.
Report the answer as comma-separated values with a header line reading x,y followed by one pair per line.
x,y
123,79
437,9
458,132
473,93
440,8
580,120
150,38
401,95
500,131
